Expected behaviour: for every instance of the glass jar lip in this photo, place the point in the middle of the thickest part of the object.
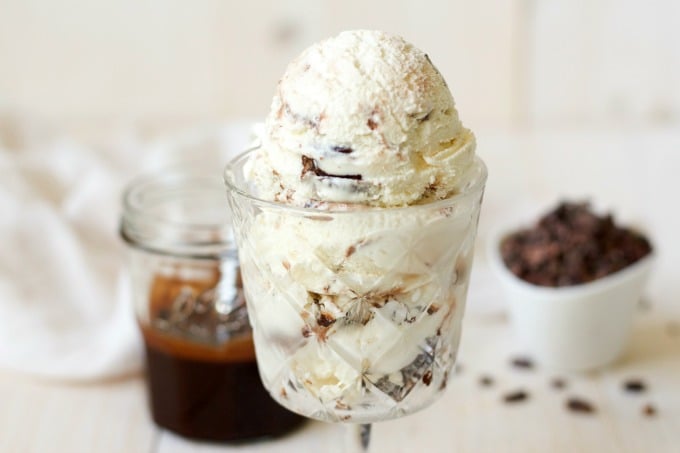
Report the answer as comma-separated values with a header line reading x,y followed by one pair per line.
x,y
133,191
145,226
474,187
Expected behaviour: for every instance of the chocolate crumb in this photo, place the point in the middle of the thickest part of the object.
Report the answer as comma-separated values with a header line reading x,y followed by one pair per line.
x,y
427,377
515,397
579,405
372,125
432,309
342,149
486,381
634,386
522,362
350,251
308,164
306,331
558,383
325,319
649,410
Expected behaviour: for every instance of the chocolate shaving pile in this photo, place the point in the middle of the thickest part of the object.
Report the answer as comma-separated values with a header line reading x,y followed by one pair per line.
x,y
572,245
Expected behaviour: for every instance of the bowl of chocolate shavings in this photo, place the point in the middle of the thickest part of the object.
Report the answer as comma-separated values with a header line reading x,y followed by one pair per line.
x,y
572,280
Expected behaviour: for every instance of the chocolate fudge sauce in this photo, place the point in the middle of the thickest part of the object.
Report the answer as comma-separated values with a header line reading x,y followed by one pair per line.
x,y
201,371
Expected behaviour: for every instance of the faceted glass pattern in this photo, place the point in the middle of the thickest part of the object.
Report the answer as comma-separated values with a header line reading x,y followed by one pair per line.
x,y
356,313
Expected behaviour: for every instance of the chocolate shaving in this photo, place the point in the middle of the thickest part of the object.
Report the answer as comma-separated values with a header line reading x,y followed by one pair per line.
x,y
309,165
634,386
649,410
516,397
325,319
522,362
432,309
486,381
558,383
410,375
372,125
580,406
342,149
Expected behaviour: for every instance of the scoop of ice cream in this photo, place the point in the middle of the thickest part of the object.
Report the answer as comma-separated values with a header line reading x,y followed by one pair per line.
x,y
366,118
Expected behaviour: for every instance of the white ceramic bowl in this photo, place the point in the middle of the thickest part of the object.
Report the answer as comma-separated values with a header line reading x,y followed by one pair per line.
x,y
576,327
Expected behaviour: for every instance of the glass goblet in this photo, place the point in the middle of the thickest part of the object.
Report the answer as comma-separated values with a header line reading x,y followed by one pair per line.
x,y
356,311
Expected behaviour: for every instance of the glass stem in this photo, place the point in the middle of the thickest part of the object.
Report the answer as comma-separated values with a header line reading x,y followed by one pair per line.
x,y
358,438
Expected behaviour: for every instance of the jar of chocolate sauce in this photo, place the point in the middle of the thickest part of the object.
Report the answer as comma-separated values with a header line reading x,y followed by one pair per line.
x,y
202,377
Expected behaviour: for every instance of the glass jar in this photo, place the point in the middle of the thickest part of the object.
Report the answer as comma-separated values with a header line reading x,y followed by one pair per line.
x,y
202,377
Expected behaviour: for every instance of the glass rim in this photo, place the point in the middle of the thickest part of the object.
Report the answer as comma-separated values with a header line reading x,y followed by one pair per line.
x,y
476,186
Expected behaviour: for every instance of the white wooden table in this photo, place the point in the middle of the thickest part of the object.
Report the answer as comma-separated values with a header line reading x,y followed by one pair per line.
x,y
39,416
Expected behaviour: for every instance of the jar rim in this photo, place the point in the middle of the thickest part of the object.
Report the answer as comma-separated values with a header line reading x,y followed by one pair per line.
x,y
177,211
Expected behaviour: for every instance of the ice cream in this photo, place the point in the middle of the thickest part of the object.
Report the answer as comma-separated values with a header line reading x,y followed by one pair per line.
x,y
356,274
364,117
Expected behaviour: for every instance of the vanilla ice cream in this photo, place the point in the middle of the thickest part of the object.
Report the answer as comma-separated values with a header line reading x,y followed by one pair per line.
x,y
363,117
357,230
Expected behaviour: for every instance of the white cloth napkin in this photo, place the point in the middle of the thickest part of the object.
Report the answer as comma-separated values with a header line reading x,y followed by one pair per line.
x,y
65,305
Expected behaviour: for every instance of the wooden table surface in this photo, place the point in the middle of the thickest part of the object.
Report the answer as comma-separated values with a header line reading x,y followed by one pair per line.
x,y
39,416
43,416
